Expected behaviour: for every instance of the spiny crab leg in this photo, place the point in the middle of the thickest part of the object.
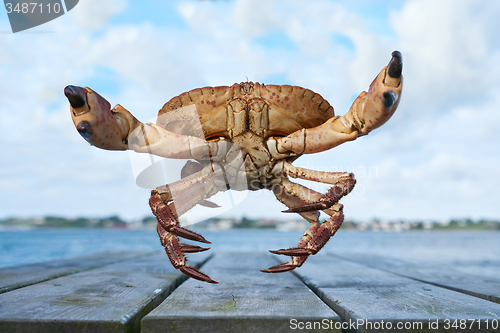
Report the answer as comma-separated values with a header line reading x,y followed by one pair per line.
x,y
326,230
290,200
343,183
168,229
370,110
299,260
191,168
182,195
166,218
304,193
315,237
334,194
175,252
325,177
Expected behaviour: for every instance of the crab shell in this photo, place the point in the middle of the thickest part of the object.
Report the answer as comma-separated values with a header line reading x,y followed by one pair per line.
x,y
272,110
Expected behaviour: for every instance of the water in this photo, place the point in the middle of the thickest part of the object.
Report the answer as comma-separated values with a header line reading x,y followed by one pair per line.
x,y
38,245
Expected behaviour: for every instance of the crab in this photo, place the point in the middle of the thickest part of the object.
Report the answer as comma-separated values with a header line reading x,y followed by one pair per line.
x,y
250,135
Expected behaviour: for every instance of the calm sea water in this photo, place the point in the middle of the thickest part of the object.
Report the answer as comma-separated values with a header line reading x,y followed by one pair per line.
x,y
38,245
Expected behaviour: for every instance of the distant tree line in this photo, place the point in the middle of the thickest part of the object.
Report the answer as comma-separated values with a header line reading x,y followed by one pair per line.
x,y
149,222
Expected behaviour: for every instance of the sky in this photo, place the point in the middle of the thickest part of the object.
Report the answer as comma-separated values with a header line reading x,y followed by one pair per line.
x,y
436,159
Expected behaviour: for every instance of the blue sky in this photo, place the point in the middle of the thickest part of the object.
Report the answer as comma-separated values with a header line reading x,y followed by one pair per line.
x,y
437,158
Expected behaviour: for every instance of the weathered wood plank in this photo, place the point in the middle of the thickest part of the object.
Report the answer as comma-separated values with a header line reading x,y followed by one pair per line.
x,y
485,268
112,298
245,300
364,295
440,274
20,276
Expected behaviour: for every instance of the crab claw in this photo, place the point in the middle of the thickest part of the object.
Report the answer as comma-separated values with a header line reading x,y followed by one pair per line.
x,y
76,96
395,67
95,121
373,109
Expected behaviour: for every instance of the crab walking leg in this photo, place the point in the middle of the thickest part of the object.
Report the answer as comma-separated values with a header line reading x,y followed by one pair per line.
x,y
296,260
175,252
304,193
166,218
327,228
331,197
316,176
343,184
167,214
168,229
191,168
321,236
370,110
313,240
177,189
196,188
192,197
290,201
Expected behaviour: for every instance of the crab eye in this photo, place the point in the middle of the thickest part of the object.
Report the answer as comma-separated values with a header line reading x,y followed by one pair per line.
x,y
85,129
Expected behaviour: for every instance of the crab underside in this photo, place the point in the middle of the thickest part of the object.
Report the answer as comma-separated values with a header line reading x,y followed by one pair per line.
x,y
250,135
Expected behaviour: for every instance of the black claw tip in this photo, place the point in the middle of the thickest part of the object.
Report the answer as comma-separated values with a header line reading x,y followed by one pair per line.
x,y
85,129
389,98
396,65
74,97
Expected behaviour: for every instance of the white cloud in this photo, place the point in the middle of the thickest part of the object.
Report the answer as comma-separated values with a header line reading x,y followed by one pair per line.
x,y
95,14
452,51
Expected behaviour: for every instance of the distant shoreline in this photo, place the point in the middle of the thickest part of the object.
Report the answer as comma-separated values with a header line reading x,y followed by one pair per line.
x,y
149,223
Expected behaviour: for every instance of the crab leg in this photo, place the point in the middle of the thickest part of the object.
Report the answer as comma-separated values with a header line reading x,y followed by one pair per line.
x,y
305,194
190,168
193,189
296,260
168,229
370,110
343,183
175,252
290,201
315,237
325,177
326,230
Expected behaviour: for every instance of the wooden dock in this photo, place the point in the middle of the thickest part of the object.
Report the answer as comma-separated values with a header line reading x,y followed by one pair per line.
x,y
141,292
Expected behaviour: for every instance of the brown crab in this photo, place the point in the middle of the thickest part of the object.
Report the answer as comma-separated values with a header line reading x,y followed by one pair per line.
x,y
251,133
